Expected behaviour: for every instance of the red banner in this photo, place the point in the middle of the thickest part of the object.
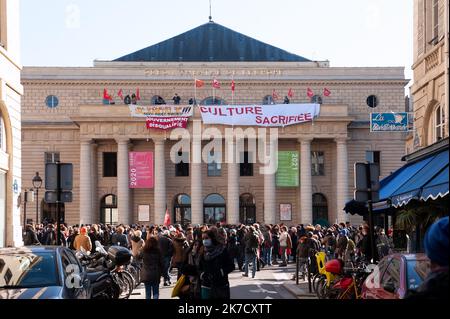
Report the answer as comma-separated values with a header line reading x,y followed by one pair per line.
x,y
141,170
166,123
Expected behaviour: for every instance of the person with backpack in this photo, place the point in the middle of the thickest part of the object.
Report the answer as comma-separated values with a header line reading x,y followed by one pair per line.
x,y
251,246
285,245
267,246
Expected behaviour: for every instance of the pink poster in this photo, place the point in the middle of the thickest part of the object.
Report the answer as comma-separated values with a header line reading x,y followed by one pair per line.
x,y
141,169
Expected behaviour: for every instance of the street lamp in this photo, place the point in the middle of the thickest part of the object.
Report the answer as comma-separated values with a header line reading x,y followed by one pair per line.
x,y
37,183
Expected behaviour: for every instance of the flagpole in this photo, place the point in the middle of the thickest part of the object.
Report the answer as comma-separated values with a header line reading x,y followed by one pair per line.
x,y
195,92
232,90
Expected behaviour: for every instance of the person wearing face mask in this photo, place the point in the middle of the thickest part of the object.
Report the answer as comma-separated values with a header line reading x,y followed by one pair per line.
x,y
192,288
214,267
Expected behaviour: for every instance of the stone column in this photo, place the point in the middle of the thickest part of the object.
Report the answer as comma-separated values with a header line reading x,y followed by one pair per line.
x,y
233,184
86,182
306,216
270,190
94,195
342,178
196,180
160,182
123,188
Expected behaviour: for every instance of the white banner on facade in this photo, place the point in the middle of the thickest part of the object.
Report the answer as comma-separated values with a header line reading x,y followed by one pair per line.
x,y
160,110
260,115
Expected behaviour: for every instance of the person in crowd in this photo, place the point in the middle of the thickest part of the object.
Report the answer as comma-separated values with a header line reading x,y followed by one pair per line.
x,y
94,235
251,247
285,244
152,267
301,230
192,287
241,241
137,245
166,246
365,247
303,254
436,243
383,244
275,244
341,244
180,247
82,241
267,245
233,245
30,237
119,238
176,99
293,234
329,242
71,238
49,237
214,267
190,235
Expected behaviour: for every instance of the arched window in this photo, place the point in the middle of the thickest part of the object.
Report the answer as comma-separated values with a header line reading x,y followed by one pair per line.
x,y
268,99
213,101
439,123
182,209
320,209
158,100
214,209
108,210
247,209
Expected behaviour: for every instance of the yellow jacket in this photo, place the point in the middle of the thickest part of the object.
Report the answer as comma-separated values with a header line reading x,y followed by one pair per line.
x,y
82,241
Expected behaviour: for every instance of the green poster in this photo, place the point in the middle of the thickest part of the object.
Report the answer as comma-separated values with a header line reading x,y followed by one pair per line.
x,y
288,173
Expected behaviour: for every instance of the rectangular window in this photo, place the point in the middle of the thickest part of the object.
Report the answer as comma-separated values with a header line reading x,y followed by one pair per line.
x,y
435,21
374,157
214,164
52,157
182,165
246,164
110,164
317,164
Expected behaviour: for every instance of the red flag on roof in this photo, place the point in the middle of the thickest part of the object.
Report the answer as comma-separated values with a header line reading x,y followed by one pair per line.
x,y
274,95
233,86
106,96
216,84
309,92
199,83
167,221
291,93
138,95
120,94
326,92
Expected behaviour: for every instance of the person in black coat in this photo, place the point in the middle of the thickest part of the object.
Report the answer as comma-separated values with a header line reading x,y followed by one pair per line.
x,y
152,268
30,236
214,268
166,246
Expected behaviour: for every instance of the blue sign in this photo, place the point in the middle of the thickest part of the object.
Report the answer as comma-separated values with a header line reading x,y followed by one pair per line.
x,y
15,187
389,122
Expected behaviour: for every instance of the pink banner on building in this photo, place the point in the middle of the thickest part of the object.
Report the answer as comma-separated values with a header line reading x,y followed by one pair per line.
x,y
141,170
166,123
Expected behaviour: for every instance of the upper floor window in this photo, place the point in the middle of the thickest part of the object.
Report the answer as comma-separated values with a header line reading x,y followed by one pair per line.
x,y
435,21
52,157
268,99
51,101
2,134
213,101
110,164
214,164
372,101
246,164
182,165
439,120
317,164
373,157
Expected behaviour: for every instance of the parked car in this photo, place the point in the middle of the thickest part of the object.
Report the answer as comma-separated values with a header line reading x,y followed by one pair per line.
x,y
395,276
42,272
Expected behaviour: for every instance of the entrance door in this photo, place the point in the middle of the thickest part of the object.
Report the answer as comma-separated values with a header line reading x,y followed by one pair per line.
x,y
247,209
214,209
182,209
108,210
320,209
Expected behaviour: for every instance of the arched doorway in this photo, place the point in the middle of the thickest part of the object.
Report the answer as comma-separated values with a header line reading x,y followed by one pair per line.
x,y
49,212
214,209
182,209
108,210
320,209
247,209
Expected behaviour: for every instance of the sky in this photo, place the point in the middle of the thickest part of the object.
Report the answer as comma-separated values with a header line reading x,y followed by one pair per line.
x,y
345,32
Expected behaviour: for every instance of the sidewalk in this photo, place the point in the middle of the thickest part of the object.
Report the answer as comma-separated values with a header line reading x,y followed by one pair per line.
x,y
300,291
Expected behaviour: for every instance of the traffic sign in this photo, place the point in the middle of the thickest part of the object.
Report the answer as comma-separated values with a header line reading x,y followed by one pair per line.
x,y
51,176
361,178
361,196
51,197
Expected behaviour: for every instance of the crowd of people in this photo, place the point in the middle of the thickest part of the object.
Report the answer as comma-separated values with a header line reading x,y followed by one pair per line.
x,y
205,255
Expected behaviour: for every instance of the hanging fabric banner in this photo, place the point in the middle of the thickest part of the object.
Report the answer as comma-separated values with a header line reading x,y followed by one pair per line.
x,y
160,110
141,170
260,115
166,123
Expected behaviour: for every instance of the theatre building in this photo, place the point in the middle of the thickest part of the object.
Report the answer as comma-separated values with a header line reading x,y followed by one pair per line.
x,y
78,115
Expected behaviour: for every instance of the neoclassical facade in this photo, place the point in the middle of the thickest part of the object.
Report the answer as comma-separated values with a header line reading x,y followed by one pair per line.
x,y
430,89
66,118
11,91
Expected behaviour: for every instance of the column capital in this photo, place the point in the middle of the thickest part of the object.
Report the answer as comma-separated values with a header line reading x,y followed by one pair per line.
x,y
341,139
86,140
159,140
122,140
306,139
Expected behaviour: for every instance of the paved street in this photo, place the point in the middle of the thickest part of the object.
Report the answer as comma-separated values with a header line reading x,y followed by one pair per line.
x,y
268,284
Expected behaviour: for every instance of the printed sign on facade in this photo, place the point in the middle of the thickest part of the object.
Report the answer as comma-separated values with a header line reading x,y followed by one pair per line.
x,y
260,115
389,122
288,172
285,212
160,110
141,170
166,123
